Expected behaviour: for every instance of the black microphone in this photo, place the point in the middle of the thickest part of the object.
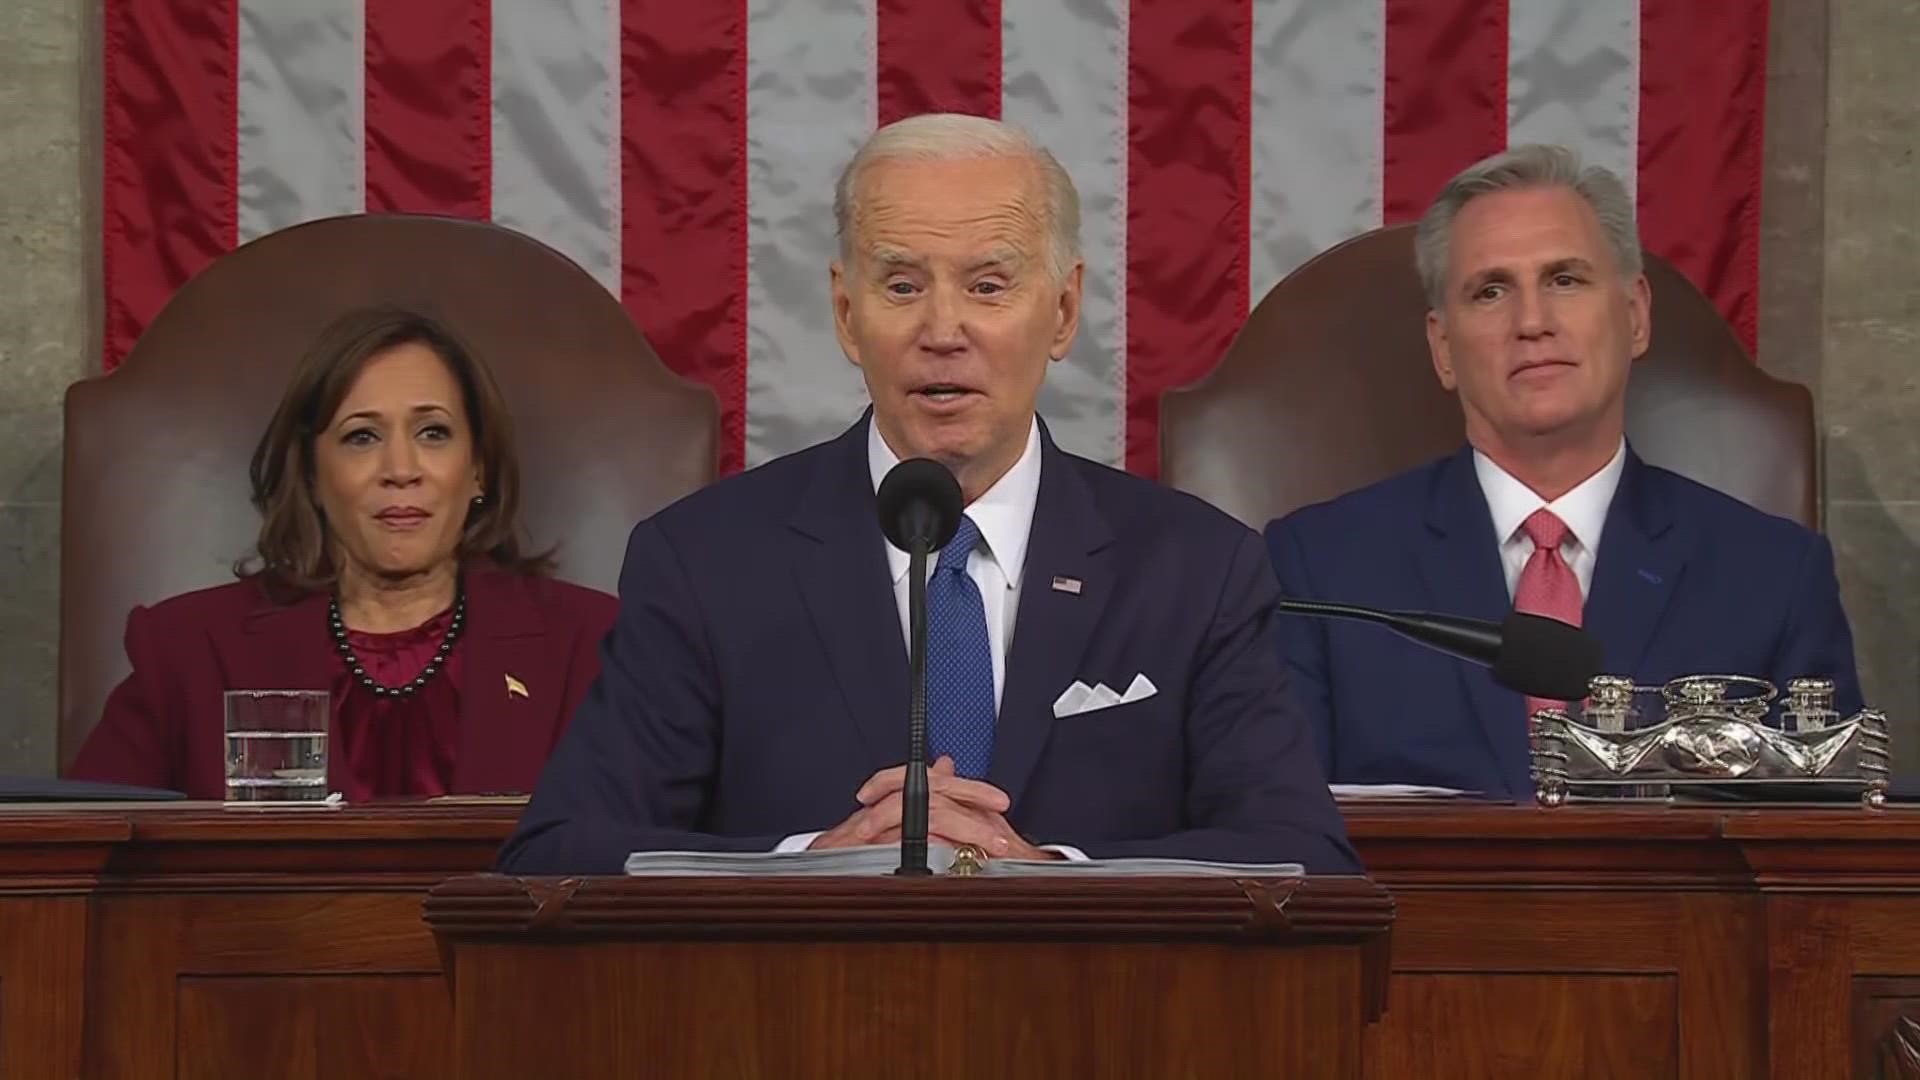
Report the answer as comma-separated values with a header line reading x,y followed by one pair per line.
x,y
919,504
1535,655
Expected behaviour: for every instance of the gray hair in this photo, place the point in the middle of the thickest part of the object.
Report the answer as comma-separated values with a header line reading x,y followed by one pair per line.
x,y
954,137
1532,165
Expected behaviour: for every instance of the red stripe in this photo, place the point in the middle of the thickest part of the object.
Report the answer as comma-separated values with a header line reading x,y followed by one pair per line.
x,y
1189,175
683,190
1445,97
1702,103
937,57
169,154
429,103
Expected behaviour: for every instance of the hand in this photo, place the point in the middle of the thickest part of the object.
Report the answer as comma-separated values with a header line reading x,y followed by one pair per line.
x,y
959,811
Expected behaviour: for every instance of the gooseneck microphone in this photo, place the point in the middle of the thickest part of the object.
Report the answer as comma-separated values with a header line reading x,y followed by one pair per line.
x,y
919,504
1535,655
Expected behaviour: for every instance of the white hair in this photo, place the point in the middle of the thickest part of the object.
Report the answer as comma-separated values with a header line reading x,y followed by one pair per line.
x,y
1533,165
957,137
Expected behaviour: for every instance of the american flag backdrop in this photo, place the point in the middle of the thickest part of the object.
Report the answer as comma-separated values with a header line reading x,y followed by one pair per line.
x,y
683,151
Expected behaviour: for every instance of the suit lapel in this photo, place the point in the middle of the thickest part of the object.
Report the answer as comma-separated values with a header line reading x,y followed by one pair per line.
x,y
1052,628
840,565
502,723
1641,559
1459,560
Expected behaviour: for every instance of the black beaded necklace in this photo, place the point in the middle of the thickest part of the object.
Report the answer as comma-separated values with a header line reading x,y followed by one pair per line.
x,y
412,686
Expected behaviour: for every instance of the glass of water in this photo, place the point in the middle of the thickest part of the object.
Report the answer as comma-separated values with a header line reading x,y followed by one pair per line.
x,y
276,745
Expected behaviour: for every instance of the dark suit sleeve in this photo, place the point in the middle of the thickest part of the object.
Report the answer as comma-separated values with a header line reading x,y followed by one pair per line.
x,y
1303,644
132,744
633,770
1255,792
1816,640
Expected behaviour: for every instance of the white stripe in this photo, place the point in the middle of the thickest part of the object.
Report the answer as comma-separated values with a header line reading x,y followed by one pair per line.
x,y
1319,93
1064,78
301,111
556,128
810,103
1573,77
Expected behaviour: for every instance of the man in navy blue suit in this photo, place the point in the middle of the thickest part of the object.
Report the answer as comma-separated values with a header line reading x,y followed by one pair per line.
x,y
1101,677
1532,268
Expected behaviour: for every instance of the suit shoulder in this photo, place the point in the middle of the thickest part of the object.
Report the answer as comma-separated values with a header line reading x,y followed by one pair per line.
x,y
214,605
576,601
1137,505
1716,512
1403,495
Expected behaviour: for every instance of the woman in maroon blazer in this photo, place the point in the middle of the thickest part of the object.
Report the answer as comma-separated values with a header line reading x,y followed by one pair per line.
x,y
388,572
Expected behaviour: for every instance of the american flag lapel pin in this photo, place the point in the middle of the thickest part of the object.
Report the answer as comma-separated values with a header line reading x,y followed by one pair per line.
x,y
1069,585
515,686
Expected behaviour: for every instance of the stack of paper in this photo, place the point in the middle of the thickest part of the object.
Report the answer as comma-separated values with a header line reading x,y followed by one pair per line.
x,y
1397,791
882,859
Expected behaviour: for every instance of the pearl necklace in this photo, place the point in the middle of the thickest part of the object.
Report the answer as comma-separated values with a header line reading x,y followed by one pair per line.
x,y
408,689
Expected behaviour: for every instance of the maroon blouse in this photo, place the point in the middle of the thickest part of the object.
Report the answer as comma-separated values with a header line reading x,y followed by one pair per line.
x,y
393,747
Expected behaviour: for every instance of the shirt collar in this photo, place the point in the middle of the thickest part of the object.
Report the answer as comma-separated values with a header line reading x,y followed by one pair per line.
x,y
1003,514
1584,509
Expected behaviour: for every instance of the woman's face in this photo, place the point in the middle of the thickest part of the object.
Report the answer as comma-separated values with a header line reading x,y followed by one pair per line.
x,y
394,469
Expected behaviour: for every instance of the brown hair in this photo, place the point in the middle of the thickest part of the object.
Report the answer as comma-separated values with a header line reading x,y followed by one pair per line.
x,y
292,552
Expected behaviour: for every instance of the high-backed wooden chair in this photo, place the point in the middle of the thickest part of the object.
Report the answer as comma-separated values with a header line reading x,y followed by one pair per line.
x,y
1329,387
154,493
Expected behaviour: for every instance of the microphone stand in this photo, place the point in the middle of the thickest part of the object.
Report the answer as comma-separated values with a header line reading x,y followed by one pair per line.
x,y
913,817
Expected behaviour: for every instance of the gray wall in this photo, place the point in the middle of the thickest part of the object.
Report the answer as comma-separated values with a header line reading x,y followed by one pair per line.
x,y
1840,290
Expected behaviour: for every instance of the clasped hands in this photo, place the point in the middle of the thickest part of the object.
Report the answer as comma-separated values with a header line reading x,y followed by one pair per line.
x,y
959,811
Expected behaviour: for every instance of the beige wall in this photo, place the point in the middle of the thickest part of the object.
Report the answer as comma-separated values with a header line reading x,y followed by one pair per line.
x,y
48,122
1840,290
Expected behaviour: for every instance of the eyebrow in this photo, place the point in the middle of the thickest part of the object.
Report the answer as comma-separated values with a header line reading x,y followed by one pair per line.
x,y
418,410
891,258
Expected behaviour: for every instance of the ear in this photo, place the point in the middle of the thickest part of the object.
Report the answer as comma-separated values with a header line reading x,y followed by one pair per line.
x,y
843,311
1441,353
1066,325
1640,315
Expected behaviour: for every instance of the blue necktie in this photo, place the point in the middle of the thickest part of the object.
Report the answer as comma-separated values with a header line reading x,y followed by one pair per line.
x,y
960,707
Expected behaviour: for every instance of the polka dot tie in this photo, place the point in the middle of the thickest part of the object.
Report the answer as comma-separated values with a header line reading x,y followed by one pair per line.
x,y
960,708
1547,585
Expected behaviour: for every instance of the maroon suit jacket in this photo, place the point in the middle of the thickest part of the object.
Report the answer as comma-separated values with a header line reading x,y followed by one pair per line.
x,y
165,726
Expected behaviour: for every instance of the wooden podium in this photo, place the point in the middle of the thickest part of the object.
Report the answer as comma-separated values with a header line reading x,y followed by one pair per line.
x,y
931,977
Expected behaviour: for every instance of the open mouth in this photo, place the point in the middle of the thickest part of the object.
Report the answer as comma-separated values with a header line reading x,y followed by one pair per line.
x,y
942,393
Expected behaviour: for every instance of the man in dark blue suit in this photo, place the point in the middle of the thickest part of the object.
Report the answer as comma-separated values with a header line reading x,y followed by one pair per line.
x,y
1101,678
1539,308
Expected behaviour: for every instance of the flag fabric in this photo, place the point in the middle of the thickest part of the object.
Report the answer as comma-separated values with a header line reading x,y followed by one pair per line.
x,y
683,152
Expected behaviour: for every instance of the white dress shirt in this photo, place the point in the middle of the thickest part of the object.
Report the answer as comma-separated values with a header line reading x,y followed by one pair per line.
x,y
1004,516
1583,510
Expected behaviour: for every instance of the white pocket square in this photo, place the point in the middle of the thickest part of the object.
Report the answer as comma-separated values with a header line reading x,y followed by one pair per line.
x,y
1081,698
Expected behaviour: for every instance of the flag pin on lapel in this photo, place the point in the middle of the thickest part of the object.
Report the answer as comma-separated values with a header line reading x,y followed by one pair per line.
x,y
515,686
1069,585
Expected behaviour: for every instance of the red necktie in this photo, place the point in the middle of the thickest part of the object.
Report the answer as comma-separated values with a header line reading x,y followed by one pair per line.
x,y
1547,585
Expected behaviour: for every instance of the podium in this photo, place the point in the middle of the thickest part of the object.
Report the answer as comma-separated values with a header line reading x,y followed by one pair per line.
x,y
1006,977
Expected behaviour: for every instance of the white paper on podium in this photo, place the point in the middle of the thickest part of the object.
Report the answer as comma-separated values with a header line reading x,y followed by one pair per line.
x,y
1397,791
878,860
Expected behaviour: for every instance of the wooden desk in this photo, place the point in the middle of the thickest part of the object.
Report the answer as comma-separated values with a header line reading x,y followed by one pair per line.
x,y
1586,942
203,942
1620,942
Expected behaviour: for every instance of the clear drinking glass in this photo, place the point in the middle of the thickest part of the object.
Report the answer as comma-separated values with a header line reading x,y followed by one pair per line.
x,y
276,745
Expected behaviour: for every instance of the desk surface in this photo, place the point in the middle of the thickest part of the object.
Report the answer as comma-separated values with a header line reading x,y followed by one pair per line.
x,y
1597,941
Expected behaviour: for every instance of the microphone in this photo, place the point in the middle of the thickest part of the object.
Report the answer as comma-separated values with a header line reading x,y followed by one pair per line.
x,y
1535,655
919,504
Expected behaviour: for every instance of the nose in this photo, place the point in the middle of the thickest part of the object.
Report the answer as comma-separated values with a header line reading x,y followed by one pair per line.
x,y
1533,316
400,463
944,331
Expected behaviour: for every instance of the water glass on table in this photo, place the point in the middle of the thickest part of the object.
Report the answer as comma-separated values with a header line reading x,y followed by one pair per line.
x,y
276,745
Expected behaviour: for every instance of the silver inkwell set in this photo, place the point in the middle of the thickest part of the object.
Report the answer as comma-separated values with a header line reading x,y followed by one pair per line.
x,y
1712,737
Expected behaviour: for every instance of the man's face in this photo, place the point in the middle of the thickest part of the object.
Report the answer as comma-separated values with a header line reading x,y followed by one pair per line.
x,y
948,305
1536,328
